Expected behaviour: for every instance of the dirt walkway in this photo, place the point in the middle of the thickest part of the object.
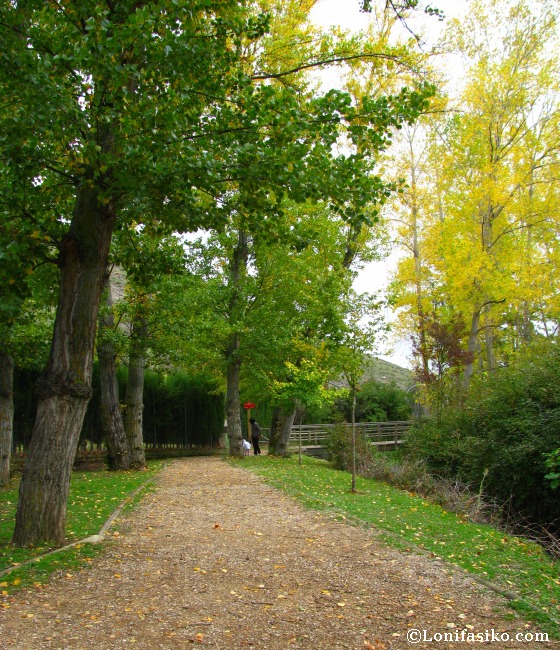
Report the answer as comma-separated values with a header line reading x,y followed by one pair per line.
x,y
216,558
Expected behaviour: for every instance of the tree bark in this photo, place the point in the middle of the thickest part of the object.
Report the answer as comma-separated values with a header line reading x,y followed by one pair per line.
x,y
422,347
111,416
286,432
275,430
487,244
6,415
471,349
237,269
415,213
489,339
135,393
233,416
64,389
353,487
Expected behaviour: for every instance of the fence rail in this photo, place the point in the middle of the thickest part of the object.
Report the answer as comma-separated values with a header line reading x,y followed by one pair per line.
x,y
375,432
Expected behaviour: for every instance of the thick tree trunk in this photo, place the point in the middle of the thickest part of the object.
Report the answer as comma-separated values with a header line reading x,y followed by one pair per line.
x,y
6,415
286,432
64,389
111,416
135,394
233,416
275,430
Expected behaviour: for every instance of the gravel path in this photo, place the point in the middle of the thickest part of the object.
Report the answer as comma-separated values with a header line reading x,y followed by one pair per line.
x,y
214,557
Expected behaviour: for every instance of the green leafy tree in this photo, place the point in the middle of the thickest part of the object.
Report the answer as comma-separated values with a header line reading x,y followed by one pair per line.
x,y
24,345
107,98
358,338
145,112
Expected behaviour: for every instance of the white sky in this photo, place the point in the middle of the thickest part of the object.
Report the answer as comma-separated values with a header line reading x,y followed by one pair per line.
x,y
346,14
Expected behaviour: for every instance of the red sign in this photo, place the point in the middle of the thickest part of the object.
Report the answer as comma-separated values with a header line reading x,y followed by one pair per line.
x,y
248,405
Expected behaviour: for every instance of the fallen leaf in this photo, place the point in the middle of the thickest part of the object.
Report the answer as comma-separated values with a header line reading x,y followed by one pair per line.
x,y
376,645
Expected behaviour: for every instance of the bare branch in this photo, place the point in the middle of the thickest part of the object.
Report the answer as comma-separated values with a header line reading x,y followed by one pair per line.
x,y
318,64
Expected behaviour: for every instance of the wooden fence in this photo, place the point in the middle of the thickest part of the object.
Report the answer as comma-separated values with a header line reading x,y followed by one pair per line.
x,y
378,433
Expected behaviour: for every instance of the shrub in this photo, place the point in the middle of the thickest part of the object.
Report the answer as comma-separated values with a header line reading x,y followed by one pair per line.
x,y
407,474
502,435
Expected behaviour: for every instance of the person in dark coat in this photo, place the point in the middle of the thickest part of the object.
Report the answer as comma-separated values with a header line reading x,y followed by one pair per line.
x,y
255,435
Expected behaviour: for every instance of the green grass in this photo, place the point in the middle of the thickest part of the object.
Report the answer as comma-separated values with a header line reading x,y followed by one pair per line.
x,y
412,523
93,497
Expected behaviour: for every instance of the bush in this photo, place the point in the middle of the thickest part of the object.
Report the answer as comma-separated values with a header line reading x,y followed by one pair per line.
x,y
407,474
502,434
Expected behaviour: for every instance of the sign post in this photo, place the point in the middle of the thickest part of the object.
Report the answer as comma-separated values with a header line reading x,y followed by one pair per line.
x,y
248,406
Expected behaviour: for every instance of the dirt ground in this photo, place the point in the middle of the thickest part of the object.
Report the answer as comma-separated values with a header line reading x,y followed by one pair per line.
x,y
214,557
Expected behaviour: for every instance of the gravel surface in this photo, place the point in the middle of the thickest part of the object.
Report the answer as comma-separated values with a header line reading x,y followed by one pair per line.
x,y
214,557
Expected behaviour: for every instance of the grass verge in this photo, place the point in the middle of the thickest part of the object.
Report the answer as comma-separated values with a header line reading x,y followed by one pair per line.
x,y
412,523
93,497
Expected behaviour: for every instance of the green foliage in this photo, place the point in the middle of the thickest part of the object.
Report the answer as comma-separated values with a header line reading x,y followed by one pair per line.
x,y
377,402
183,410
552,462
339,445
179,409
502,435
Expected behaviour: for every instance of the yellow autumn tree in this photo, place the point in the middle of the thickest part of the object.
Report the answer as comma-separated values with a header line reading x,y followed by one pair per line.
x,y
489,229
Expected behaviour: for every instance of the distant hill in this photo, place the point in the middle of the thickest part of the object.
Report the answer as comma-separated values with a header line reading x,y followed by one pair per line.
x,y
384,372
387,372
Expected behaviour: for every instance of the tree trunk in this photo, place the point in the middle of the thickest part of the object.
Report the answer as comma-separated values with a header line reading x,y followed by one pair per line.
x,y
135,394
471,349
284,441
487,245
238,270
6,415
64,389
353,487
111,416
422,346
233,416
275,430
489,339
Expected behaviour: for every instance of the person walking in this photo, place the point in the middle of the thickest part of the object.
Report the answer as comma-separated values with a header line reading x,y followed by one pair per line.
x,y
255,435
